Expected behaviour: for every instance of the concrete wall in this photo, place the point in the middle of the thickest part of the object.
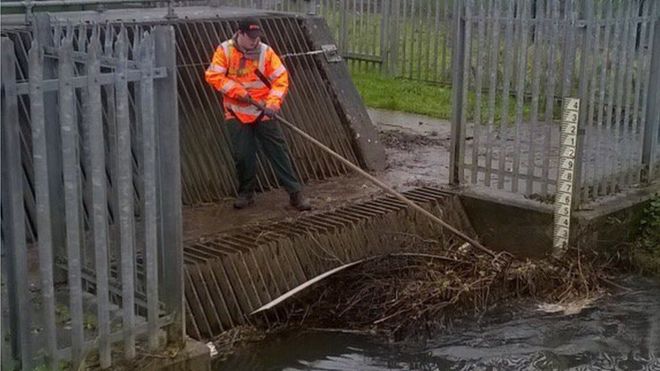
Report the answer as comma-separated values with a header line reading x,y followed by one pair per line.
x,y
525,227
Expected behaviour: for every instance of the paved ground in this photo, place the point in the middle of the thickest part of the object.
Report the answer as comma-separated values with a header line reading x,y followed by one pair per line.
x,y
417,149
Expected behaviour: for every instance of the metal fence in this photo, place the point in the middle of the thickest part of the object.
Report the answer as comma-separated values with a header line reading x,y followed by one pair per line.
x,y
90,159
403,38
516,60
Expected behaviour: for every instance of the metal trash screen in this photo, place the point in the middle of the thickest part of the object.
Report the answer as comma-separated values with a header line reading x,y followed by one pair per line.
x,y
519,58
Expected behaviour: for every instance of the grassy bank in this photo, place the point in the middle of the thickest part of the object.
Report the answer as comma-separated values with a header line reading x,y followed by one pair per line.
x,y
379,91
431,99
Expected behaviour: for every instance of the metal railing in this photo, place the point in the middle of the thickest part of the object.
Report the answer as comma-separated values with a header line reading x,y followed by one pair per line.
x,y
515,61
403,38
90,164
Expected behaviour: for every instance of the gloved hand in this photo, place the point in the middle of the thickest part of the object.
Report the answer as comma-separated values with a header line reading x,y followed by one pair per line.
x,y
246,97
271,111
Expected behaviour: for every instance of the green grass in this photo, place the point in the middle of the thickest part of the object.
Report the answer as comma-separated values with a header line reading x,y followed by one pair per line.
x,y
427,98
396,94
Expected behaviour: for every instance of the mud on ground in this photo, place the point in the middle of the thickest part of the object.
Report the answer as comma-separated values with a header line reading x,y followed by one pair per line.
x,y
416,157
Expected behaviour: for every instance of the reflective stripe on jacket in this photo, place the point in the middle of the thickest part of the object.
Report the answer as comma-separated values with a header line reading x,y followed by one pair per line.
x,y
235,75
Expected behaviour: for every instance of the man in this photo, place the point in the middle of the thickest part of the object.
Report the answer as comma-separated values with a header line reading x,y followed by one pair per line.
x,y
246,71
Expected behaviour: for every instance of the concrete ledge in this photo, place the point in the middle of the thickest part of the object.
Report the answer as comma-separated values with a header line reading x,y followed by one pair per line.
x,y
505,223
509,222
612,222
194,356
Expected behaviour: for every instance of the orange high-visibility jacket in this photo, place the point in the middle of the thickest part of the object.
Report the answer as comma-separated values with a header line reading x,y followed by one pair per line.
x,y
236,76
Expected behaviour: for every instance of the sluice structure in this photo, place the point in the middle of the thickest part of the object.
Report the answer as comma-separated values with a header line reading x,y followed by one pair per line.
x,y
233,273
227,274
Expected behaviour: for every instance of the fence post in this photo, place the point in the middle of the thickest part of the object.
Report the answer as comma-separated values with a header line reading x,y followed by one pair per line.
x,y
42,198
457,99
169,183
384,33
43,35
343,32
583,93
652,124
13,211
312,7
393,47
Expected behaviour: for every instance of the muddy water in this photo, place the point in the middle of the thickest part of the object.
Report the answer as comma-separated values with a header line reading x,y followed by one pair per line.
x,y
619,332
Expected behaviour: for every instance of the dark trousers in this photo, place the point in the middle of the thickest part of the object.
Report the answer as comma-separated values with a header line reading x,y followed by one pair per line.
x,y
269,135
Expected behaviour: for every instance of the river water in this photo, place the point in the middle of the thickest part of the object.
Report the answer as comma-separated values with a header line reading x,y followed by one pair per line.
x,y
618,332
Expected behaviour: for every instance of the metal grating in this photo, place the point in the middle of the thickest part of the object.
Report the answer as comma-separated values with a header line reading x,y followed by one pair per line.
x,y
207,166
229,275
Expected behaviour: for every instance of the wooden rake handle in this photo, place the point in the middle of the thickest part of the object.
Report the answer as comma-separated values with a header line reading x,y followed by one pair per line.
x,y
380,184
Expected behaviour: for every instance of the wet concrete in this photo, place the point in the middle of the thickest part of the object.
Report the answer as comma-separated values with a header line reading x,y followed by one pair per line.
x,y
417,155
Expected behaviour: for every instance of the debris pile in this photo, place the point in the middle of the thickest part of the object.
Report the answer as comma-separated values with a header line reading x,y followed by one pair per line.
x,y
419,291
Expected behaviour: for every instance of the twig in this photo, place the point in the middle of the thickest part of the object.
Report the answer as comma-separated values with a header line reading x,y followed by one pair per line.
x,y
615,284
431,256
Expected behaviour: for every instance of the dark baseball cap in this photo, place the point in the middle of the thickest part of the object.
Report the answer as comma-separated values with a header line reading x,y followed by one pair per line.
x,y
251,27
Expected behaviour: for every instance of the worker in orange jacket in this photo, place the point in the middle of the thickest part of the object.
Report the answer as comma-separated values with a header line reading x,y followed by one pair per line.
x,y
246,71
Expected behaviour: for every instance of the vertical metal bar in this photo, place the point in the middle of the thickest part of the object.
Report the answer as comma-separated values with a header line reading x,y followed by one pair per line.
x,y
343,31
568,47
405,42
377,14
523,31
455,166
540,31
80,45
481,45
593,135
640,84
613,108
133,34
504,119
376,49
601,154
494,54
619,100
420,37
28,178
583,90
437,77
428,73
467,55
72,191
553,13
385,51
42,191
111,123
43,34
146,60
414,27
447,43
652,111
14,214
628,143
622,72
169,183
354,44
395,37
94,121
126,201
